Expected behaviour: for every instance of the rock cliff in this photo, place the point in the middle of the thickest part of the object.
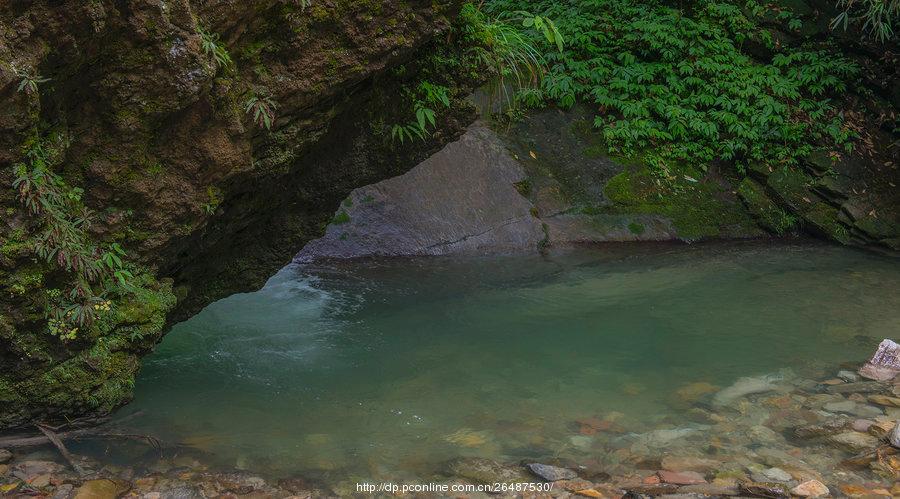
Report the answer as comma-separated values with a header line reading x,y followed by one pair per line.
x,y
145,109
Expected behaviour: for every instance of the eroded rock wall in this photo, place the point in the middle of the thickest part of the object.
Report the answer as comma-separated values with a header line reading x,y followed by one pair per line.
x,y
156,133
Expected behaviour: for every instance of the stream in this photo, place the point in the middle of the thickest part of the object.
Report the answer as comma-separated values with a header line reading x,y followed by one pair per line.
x,y
386,368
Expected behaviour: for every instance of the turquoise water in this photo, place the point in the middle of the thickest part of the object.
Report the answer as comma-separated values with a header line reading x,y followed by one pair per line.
x,y
386,368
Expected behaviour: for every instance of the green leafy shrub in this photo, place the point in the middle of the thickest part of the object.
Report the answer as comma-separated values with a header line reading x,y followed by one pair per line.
x,y
877,17
675,86
505,45
426,97
94,272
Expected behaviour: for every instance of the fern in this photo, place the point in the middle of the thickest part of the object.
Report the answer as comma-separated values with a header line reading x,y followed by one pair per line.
x,y
214,48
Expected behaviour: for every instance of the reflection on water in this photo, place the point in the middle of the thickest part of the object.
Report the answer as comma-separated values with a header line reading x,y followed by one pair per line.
x,y
382,369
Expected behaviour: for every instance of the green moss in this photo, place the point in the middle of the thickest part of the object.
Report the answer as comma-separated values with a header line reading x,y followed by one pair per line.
x,y
771,216
524,187
100,376
824,218
341,218
636,228
697,209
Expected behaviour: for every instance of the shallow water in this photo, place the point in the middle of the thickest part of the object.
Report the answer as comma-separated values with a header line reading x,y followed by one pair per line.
x,y
384,369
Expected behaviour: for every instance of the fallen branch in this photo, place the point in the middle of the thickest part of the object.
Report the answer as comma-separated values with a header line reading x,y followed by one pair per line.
x,y
86,434
54,439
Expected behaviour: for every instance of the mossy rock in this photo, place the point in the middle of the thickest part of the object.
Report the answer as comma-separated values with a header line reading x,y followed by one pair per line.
x,y
698,210
767,213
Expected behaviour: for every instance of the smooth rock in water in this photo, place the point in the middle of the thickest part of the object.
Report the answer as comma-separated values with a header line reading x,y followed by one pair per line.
x,y
830,427
851,407
746,386
765,489
894,436
881,428
860,387
664,437
100,489
853,441
811,488
40,481
656,489
63,491
482,470
862,425
691,393
5,456
551,473
885,400
848,376
681,477
689,463
711,489
777,474
884,364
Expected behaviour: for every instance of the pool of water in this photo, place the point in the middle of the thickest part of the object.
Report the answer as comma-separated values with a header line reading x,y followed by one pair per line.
x,y
383,369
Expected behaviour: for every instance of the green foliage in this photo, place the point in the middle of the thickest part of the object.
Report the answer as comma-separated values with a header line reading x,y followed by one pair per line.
x,y
511,55
674,86
262,109
93,272
877,17
215,199
28,82
214,48
427,96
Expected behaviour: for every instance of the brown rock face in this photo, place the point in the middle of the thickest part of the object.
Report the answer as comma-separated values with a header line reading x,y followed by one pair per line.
x,y
156,132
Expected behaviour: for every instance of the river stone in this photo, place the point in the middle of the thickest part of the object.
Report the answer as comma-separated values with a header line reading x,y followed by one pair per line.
x,y
853,408
551,473
64,491
811,488
765,489
885,400
829,427
100,489
854,441
5,456
461,200
484,471
885,362
777,474
848,376
689,463
894,436
860,387
681,477
711,489
745,386
862,425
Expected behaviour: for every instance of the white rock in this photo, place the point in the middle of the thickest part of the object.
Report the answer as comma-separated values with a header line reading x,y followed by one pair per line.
x,y
884,364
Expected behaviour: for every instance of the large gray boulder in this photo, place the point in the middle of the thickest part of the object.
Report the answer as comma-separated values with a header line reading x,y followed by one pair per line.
x,y
461,200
